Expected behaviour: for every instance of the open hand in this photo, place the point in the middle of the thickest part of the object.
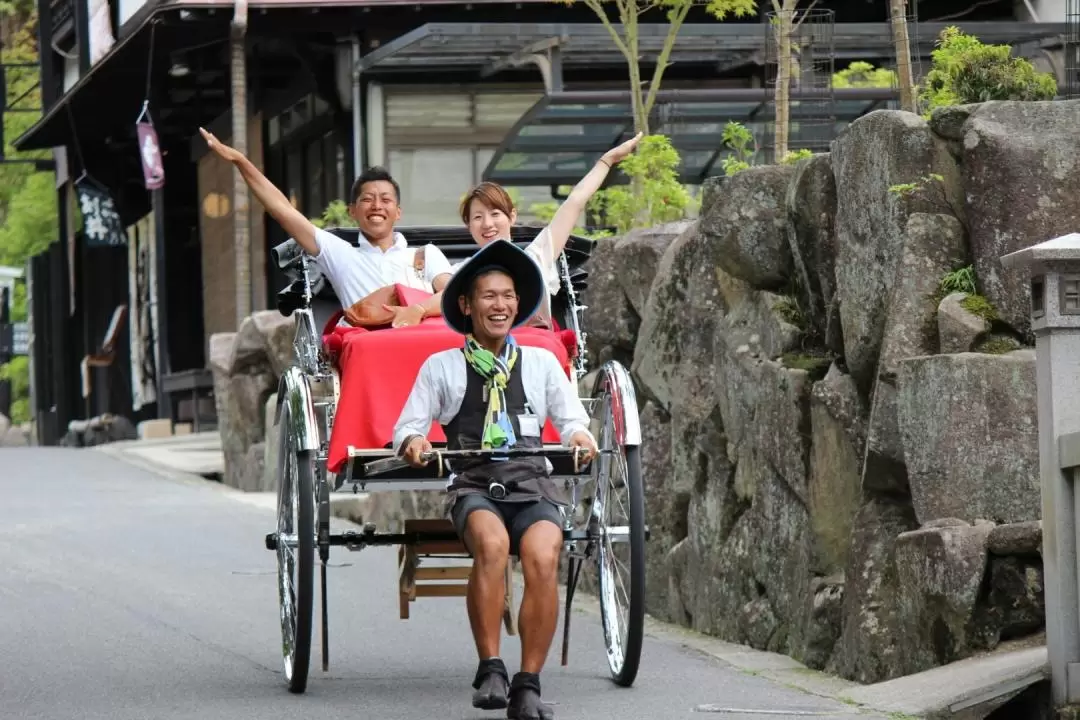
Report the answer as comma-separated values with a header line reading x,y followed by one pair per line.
x,y
417,447
584,440
228,153
617,154
405,316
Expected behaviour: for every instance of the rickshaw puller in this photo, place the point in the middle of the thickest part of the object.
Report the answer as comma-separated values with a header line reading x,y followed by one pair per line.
x,y
492,394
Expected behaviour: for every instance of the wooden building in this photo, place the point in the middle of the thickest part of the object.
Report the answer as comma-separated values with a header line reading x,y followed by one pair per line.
x,y
443,92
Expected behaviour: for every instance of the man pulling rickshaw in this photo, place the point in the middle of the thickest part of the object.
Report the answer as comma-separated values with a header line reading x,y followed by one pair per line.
x,y
491,394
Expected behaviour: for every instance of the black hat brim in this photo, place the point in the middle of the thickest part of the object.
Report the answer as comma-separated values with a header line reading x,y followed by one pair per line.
x,y
496,255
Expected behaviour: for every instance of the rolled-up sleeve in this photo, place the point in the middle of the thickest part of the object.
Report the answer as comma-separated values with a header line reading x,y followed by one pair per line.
x,y
422,407
564,407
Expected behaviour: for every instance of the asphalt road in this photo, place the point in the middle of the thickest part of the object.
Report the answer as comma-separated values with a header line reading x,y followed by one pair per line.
x,y
125,594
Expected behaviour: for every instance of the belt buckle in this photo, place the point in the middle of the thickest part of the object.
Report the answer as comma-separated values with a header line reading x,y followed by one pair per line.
x,y
497,490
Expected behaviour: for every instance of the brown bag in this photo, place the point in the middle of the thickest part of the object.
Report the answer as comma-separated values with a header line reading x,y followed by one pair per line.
x,y
370,312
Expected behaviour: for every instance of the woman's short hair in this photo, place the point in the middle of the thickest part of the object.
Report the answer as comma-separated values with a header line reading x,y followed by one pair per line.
x,y
491,194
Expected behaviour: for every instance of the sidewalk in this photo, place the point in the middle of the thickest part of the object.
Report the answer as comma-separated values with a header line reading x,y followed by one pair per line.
x,y
968,689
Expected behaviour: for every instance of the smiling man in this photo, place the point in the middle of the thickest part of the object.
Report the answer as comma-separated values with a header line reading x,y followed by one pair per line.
x,y
385,259
492,394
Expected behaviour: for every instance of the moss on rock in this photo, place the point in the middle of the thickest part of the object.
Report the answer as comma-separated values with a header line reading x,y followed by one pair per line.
x,y
980,307
816,366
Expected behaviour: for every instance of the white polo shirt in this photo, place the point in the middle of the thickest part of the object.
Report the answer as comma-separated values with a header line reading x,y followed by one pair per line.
x,y
356,272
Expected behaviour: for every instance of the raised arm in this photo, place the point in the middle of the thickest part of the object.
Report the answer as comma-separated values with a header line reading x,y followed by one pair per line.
x,y
289,218
568,213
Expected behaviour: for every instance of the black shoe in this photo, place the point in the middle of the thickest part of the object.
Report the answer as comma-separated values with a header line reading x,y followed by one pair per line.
x,y
525,703
491,685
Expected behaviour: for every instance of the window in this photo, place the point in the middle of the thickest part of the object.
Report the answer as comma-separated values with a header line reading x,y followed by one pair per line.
x,y
1070,294
438,144
1038,301
432,182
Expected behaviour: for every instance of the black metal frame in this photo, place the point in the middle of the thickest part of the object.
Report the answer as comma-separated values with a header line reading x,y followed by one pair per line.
x,y
613,109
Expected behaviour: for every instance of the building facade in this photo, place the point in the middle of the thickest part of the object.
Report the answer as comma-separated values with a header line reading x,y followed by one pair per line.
x,y
444,94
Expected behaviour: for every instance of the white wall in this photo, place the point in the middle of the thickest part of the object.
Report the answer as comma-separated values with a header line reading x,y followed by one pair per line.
x,y
1051,11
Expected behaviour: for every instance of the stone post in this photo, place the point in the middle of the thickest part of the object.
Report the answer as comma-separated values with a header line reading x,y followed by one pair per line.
x,y
1054,270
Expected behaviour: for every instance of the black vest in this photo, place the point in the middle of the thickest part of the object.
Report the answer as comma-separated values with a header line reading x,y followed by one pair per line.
x,y
525,479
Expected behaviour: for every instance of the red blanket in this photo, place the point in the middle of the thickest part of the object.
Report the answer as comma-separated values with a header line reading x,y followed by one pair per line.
x,y
378,368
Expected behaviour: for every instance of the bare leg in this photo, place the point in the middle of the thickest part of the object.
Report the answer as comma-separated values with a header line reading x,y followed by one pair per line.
x,y
489,543
539,552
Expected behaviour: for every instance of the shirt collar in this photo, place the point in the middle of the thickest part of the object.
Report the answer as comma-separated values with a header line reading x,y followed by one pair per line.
x,y
400,243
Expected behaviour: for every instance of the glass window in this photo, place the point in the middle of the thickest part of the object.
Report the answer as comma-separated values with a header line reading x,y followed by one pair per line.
x,y
432,181
525,198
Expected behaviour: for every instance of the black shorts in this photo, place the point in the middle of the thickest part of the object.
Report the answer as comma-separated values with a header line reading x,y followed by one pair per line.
x,y
516,516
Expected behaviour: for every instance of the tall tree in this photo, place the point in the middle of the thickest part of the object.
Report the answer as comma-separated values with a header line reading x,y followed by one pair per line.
x,y
784,25
902,47
627,39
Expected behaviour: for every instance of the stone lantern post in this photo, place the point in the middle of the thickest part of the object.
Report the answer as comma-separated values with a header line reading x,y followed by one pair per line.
x,y
1054,271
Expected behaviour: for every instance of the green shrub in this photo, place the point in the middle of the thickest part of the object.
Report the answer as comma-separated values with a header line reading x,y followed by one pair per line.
x,y
336,214
654,195
861,74
18,373
964,70
740,140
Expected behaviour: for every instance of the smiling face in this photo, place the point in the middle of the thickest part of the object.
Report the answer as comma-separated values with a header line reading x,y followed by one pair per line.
x,y
376,209
487,223
492,304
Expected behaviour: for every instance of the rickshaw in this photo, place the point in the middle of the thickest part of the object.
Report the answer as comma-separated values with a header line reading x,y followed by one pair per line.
x,y
605,524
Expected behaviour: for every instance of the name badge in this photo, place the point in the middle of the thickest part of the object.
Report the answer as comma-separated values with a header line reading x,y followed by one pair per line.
x,y
529,425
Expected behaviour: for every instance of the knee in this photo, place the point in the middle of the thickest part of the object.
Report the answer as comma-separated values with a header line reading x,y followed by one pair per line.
x,y
540,558
490,546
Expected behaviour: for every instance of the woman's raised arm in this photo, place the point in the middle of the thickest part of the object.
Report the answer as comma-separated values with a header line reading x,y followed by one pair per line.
x,y
568,213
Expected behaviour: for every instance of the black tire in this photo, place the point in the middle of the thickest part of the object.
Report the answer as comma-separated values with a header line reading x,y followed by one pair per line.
x,y
296,610
624,669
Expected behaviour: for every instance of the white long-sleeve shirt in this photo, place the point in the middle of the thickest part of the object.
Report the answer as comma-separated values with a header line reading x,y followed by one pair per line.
x,y
440,388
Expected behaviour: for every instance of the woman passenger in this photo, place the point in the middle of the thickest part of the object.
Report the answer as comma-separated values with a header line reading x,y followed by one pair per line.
x,y
488,212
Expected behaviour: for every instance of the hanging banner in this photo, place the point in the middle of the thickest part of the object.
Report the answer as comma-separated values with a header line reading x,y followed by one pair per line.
x,y
101,222
150,153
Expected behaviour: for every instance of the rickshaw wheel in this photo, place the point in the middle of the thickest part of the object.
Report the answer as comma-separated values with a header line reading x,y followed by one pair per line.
x,y
295,553
618,514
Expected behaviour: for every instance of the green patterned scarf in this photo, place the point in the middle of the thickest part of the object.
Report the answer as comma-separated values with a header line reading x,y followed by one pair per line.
x,y
498,430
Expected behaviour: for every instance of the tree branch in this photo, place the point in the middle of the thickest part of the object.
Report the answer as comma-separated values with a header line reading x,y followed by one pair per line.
x,y
595,6
665,53
805,13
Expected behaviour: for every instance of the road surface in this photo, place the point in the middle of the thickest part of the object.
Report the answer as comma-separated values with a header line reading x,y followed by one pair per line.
x,y
130,595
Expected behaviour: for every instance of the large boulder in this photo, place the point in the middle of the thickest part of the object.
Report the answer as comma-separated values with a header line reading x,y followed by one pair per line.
x,y
639,253
746,216
675,342
871,158
1021,185
872,644
837,417
611,325
941,568
811,209
243,380
667,495
932,245
968,424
